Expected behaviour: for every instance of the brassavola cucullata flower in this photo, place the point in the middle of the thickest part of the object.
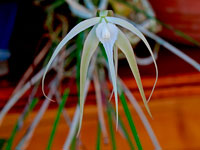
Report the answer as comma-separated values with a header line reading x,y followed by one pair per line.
x,y
105,31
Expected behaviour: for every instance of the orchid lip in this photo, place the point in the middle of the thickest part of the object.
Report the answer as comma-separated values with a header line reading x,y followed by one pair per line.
x,y
107,32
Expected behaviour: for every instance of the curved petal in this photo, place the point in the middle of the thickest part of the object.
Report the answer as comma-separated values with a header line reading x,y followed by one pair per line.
x,y
109,52
133,29
89,48
107,33
116,66
125,46
77,29
116,58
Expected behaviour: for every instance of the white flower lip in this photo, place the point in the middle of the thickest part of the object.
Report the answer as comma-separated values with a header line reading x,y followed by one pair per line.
x,y
107,32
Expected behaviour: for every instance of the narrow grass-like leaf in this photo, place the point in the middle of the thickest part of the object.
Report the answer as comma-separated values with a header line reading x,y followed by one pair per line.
x,y
124,130
128,138
89,48
23,143
112,134
31,107
123,43
61,107
141,114
98,143
130,120
16,127
77,29
73,145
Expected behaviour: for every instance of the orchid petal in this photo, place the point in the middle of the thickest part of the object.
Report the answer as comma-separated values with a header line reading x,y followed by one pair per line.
x,y
77,29
89,48
116,66
125,46
116,58
109,53
107,33
134,30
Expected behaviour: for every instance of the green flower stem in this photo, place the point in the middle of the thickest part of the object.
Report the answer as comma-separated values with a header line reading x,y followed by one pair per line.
x,y
130,120
61,107
16,127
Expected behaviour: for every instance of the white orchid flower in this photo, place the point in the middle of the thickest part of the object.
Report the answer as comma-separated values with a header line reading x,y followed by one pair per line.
x,y
105,30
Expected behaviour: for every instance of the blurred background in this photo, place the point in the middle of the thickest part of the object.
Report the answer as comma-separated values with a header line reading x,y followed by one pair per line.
x,y
31,30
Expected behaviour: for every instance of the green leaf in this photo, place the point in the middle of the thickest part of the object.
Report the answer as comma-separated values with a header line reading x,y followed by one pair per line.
x,y
130,120
77,29
128,138
112,134
89,48
123,43
123,128
61,106
16,127
73,145
98,143
31,107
